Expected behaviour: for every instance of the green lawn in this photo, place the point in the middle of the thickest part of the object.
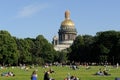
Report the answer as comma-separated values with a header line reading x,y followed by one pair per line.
x,y
61,73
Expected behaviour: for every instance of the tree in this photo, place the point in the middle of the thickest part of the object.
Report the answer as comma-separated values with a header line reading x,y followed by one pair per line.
x,y
104,52
88,45
105,43
8,49
31,49
76,53
23,47
44,49
61,57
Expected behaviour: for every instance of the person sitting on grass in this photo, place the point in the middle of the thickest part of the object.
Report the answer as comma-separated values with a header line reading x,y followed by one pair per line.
x,y
105,73
71,77
100,72
74,78
46,75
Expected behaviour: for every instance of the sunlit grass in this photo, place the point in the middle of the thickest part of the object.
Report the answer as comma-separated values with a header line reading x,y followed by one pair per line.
x,y
61,73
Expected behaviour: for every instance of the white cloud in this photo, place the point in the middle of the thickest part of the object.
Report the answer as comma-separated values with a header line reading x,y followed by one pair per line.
x,y
30,10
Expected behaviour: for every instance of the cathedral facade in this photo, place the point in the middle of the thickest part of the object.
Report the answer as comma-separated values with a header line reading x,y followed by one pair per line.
x,y
66,34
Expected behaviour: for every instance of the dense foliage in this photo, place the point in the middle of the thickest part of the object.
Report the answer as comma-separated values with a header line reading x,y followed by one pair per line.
x,y
15,51
101,48
8,49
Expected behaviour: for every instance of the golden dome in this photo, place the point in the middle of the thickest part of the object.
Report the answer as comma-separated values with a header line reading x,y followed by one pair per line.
x,y
67,21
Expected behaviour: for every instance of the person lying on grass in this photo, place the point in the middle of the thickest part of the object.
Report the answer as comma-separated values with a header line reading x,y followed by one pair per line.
x,y
7,74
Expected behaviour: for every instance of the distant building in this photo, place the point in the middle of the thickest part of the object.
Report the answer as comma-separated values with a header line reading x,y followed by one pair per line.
x,y
66,34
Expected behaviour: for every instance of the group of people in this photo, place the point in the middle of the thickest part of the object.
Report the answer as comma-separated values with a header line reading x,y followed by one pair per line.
x,y
46,75
102,73
71,78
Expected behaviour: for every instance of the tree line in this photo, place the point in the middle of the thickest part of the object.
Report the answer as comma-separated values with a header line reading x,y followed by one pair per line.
x,y
15,51
104,46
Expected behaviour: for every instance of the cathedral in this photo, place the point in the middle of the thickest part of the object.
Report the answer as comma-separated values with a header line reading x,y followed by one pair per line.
x,y
66,34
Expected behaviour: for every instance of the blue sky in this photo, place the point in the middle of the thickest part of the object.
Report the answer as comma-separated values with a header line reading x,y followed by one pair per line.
x,y
30,18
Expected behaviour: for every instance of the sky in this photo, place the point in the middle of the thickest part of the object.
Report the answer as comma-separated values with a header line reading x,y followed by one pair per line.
x,y
30,18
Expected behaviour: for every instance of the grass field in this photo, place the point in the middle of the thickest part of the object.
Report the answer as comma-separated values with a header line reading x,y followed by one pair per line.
x,y
61,73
